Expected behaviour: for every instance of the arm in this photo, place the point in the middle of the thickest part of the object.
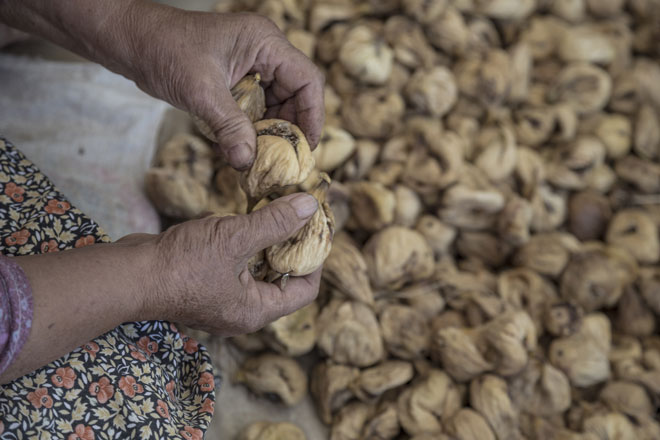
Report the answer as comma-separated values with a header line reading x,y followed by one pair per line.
x,y
195,273
189,59
78,295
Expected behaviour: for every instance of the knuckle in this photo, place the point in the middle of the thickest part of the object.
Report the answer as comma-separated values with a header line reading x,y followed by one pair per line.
x,y
263,24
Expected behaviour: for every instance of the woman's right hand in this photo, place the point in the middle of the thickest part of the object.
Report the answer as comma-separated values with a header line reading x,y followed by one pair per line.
x,y
199,273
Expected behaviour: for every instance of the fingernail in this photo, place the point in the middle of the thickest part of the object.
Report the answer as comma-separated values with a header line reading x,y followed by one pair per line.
x,y
304,205
240,156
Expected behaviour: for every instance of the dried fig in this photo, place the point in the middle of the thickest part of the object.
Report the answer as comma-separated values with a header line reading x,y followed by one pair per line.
x,y
407,207
348,333
449,32
643,174
405,331
562,318
283,158
330,387
432,91
647,133
275,377
384,424
584,86
489,395
597,275
506,341
424,405
335,147
250,97
188,154
307,249
272,431
582,356
458,351
372,205
294,334
366,55
615,132
634,231
588,215
407,39
373,113
375,381
468,424
396,256
515,221
176,193
627,397
585,43
438,235
547,254
541,389
349,421
346,269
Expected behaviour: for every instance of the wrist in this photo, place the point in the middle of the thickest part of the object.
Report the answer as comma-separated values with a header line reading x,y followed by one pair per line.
x,y
139,254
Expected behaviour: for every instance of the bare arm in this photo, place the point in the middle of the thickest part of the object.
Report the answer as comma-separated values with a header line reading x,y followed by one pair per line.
x,y
195,273
78,295
189,59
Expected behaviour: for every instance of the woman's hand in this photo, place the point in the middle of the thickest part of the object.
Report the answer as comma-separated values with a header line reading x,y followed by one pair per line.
x,y
200,274
189,59
192,60
194,273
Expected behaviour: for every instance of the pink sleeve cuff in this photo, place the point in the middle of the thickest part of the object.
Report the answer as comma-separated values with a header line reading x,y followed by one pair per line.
x,y
15,310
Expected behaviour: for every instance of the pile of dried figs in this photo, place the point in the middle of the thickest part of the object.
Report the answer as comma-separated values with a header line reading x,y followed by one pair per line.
x,y
495,172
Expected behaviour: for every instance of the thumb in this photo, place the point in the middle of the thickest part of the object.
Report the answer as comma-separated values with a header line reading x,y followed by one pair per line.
x,y
233,130
278,221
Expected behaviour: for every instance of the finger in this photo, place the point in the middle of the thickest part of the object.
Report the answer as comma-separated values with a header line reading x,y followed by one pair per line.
x,y
233,130
291,75
276,222
298,292
282,110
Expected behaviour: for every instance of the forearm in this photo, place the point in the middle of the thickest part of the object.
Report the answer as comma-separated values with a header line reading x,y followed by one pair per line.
x,y
79,295
95,29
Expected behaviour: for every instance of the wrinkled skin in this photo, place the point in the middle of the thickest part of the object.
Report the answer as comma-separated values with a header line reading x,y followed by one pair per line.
x,y
201,277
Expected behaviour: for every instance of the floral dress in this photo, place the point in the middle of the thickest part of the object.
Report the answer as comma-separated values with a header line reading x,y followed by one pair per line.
x,y
141,380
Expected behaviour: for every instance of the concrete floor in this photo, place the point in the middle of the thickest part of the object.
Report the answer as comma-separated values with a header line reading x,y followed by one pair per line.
x,y
235,408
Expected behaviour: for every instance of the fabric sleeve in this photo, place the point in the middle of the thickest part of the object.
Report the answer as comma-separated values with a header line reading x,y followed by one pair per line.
x,y
16,310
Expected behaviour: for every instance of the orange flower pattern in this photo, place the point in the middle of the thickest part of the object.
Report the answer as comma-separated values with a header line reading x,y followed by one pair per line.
x,y
206,382
63,377
91,348
147,345
82,432
85,241
49,246
57,207
149,360
102,390
191,433
129,386
190,345
39,398
14,192
18,238
162,409
208,406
